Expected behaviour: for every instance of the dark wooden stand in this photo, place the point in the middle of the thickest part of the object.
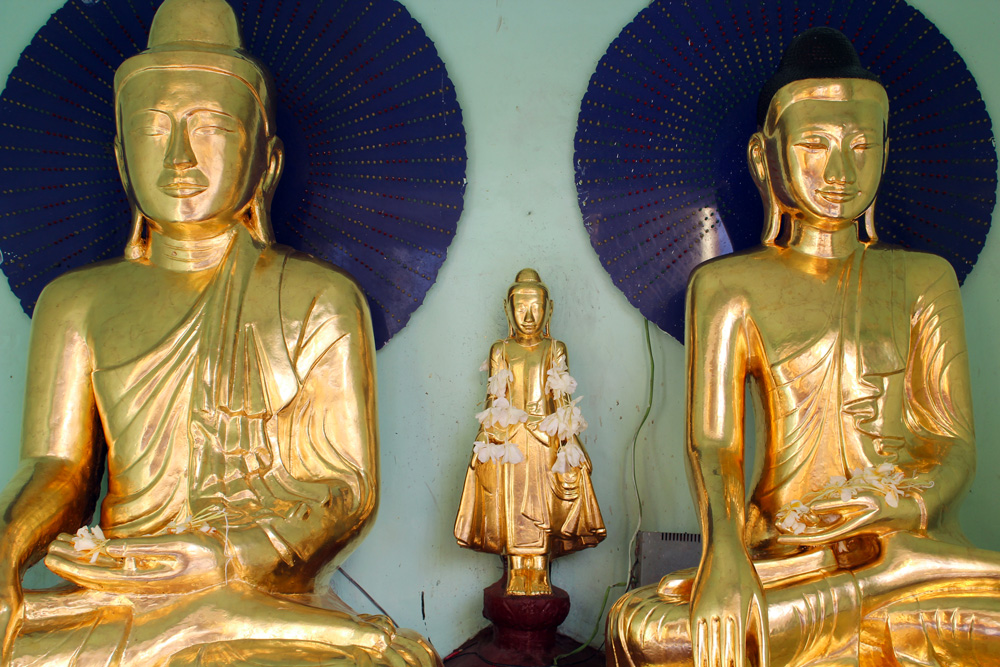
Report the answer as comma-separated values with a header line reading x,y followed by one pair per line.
x,y
523,633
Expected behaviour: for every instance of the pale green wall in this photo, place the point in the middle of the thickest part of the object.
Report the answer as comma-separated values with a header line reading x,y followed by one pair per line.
x,y
521,68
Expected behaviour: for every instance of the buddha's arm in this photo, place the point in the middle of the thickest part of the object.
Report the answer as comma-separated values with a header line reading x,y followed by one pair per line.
x,y
48,492
727,601
328,434
937,398
559,354
495,363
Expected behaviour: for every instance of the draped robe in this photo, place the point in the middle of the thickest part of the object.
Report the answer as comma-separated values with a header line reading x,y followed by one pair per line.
x,y
223,415
525,508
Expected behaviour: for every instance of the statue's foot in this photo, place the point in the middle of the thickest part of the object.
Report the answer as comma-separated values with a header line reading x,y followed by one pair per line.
x,y
538,582
517,581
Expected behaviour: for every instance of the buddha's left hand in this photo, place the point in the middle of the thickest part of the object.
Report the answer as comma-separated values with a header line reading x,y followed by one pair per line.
x,y
867,513
163,564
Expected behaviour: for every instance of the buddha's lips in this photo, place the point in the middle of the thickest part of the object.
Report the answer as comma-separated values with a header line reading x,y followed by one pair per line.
x,y
838,196
183,189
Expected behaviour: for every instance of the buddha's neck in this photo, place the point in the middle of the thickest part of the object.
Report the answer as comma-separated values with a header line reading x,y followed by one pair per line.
x,y
812,240
189,254
527,341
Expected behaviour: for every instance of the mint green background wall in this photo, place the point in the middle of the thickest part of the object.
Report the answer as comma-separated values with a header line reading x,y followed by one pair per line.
x,y
521,68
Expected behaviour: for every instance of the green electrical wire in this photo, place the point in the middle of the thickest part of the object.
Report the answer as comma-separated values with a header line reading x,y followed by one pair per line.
x,y
597,627
635,485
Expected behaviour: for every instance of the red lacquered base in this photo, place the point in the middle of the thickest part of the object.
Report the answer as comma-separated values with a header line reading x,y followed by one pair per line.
x,y
523,633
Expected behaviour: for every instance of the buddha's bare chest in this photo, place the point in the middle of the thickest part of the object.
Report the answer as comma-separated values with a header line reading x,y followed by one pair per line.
x,y
796,316
141,315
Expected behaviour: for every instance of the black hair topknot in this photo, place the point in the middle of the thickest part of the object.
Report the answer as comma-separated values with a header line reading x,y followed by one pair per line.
x,y
817,53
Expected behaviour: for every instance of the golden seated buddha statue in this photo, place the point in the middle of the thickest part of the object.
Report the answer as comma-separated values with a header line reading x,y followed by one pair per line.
x,y
228,382
848,550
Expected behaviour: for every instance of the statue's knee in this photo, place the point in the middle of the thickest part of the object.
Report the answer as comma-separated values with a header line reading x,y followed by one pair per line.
x,y
644,629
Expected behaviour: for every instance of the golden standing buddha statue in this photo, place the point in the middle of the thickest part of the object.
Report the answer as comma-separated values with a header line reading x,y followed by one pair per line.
x,y
848,550
527,493
230,385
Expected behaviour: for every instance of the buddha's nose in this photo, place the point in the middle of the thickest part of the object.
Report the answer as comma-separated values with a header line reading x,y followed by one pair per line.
x,y
840,166
179,154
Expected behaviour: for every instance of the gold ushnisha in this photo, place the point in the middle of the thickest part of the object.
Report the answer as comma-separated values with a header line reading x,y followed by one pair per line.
x,y
233,382
848,550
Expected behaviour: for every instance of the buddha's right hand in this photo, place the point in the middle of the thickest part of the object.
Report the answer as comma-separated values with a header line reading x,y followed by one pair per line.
x,y
11,615
728,611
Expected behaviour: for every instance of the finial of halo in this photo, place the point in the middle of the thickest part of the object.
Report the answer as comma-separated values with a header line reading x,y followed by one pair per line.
x,y
817,53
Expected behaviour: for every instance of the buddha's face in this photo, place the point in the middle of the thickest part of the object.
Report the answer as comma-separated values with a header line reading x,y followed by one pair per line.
x,y
831,155
528,311
193,148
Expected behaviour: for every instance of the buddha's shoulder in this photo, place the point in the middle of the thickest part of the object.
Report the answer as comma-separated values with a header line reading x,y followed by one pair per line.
x,y
79,288
920,268
735,268
307,280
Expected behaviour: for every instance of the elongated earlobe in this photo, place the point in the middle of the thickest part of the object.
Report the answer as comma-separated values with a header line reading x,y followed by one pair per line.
x,y
259,223
869,222
137,246
510,318
757,161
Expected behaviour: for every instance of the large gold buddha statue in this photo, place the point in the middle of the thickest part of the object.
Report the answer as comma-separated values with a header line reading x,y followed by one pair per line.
x,y
228,382
848,550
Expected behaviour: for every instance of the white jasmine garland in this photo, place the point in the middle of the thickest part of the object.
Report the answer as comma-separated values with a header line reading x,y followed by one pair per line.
x,y
483,450
560,382
885,480
511,453
501,414
506,452
89,542
196,523
565,422
497,386
568,457
485,366
789,517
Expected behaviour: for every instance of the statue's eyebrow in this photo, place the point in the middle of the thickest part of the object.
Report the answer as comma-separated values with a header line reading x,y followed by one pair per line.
x,y
142,114
216,112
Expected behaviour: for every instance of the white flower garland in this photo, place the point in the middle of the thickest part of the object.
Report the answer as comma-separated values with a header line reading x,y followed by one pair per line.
x,y
91,541
886,480
566,422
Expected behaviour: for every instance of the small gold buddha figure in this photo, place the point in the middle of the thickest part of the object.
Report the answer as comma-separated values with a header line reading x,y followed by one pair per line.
x,y
527,493
227,382
848,550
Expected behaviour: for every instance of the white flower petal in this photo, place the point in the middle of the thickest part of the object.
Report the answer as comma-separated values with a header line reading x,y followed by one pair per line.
x,y
511,453
549,425
560,466
482,450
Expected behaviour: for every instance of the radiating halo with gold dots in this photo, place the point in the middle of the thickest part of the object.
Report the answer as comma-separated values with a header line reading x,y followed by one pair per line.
x,y
661,142
375,170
